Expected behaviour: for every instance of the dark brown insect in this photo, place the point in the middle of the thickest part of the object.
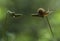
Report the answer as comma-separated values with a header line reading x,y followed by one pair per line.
x,y
41,12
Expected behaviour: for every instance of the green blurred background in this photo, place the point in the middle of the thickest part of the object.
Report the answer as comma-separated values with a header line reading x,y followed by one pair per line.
x,y
26,27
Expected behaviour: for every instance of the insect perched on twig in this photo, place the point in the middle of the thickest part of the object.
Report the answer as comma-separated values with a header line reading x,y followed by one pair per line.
x,y
13,14
43,13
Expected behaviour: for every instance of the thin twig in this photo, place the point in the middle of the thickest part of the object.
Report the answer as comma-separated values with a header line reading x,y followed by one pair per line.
x,y
49,26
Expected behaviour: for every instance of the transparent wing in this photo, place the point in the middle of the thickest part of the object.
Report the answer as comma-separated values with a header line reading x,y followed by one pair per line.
x,y
50,11
10,12
35,14
13,14
18,14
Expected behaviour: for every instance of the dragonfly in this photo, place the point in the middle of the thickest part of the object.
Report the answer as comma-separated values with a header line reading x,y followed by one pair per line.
x,y
43,13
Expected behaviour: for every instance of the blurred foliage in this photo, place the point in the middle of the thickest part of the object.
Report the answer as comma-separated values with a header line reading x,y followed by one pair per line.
x,y
26,27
